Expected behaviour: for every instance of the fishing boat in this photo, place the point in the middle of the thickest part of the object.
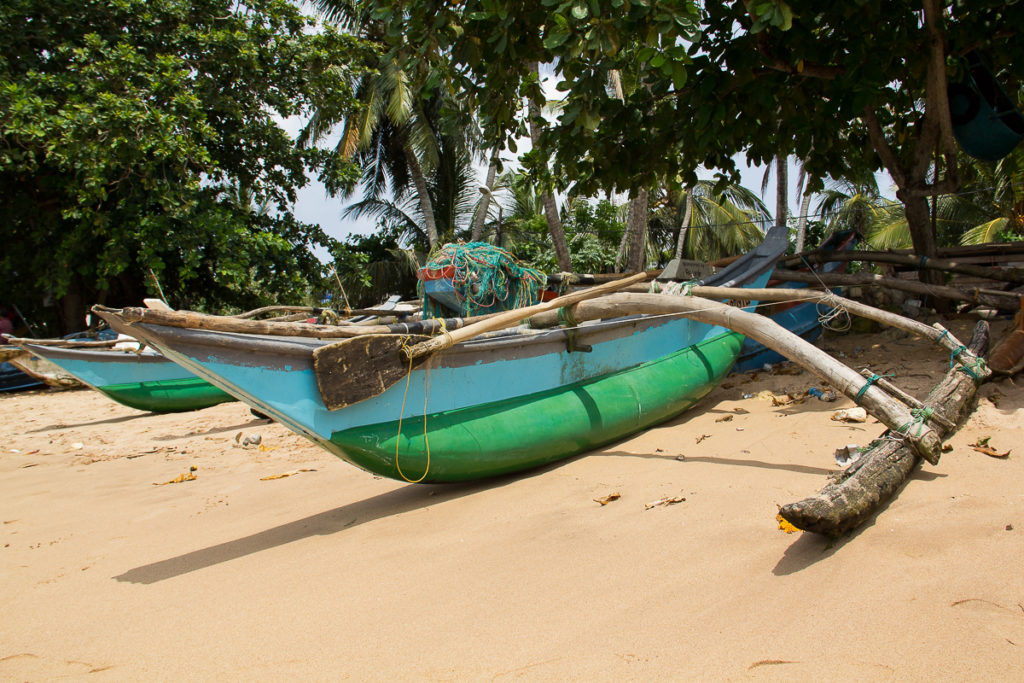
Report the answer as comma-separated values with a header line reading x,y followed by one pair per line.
x,y
804,319
42,371
144,380
13,378
499,403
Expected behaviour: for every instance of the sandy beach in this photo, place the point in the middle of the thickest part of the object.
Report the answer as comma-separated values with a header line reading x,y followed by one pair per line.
x,y
330,573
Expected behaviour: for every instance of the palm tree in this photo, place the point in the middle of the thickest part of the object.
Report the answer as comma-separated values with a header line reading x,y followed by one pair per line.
x,y
391,136
396,135
991,202
711,223
855,203
550,210
450,190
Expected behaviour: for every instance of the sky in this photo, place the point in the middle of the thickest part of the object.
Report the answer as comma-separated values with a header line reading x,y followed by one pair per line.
x,y
314,206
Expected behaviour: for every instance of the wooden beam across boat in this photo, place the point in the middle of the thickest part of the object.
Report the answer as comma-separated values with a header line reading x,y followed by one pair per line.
x,y
875,400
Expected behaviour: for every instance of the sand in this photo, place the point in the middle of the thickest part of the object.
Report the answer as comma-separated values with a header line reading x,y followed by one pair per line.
x,y
331,573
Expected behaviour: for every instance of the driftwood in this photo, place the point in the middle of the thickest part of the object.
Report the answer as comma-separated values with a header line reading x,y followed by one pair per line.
x,y
889,411
986,297
1014,275
880,472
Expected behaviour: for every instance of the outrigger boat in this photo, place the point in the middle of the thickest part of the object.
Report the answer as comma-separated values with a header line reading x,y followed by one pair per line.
x,y
143,380
499,403
42,371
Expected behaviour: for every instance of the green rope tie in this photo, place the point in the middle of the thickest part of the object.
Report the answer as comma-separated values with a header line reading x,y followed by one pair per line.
x,y
921,416
924,260
566,318
955,353
871,380
973,369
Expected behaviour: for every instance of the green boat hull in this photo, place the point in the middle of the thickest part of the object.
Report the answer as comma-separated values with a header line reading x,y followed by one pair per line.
x,y
167,396
530,431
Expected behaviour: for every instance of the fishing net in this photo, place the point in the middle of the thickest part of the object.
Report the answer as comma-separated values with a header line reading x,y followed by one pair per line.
x,y
485,278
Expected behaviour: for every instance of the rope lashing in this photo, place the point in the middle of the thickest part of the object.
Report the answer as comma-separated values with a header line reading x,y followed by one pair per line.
x,y
401,415
924,260
870,380
974,369
566,317
920,418
955,354
678,288
837,318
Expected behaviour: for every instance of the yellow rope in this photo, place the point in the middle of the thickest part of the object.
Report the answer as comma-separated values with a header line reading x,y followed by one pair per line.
x,y
401,415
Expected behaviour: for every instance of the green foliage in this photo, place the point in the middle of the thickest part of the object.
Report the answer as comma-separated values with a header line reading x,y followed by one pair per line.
x,y
138,138
370,268
592,229
707,81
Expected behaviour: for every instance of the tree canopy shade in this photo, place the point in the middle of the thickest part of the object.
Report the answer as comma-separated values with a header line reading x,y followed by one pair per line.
x,y
141,140
846,86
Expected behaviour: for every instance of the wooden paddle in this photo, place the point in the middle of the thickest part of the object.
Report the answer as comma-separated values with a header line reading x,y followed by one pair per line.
x,y
359,368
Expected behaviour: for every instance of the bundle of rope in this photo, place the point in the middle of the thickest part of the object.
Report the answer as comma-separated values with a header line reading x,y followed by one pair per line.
x,y
485,278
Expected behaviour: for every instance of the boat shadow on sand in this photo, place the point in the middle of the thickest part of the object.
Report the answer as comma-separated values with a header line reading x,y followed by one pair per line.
x,y
91,423
398,501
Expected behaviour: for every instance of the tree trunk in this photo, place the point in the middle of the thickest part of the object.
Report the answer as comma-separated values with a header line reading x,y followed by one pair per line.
x,y
634,241
801,223
687,217
485,201
878,474
781,190
550,209
423,195
636,227
71,310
